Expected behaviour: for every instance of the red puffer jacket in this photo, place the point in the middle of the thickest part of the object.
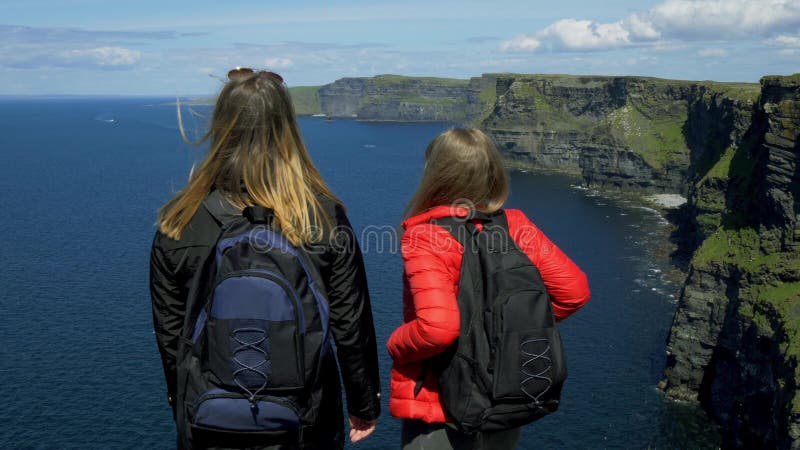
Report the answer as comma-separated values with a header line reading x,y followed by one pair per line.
x,y
432,259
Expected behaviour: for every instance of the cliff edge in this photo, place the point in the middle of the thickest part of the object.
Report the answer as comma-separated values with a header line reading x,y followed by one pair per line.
x,y
617,132
735,337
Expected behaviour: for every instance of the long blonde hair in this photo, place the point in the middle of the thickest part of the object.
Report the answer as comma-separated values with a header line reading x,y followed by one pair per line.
x,y
462,168
256,157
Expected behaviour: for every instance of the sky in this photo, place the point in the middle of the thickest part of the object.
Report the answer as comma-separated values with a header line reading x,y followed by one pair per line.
x,y
178,47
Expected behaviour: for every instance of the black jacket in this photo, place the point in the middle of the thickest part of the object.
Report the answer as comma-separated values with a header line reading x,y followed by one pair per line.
x,y
338,258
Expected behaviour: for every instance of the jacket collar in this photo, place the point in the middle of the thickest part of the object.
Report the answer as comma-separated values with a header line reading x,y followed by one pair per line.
x,y
219,208
436,212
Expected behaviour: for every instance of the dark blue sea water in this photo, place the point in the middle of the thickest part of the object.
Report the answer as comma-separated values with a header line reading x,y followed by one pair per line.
x,y
80,183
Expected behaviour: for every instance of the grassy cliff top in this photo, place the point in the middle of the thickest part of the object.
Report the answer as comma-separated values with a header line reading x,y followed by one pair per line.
x,y
400,79
781,79
611,77
732,89
305,99
735,91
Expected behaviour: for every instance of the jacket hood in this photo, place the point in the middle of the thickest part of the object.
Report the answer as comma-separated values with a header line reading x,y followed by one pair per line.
x,y
436,213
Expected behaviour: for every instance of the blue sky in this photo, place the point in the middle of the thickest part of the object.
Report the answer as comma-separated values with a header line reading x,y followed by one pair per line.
x,y
177,47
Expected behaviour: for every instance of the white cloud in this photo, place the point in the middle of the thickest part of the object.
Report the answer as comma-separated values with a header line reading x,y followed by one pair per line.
x,y
641,28
571,34
667,46
521,43
33,48
16,34
671,20
724,18
712,52
785,41
103,56
641,61
278,63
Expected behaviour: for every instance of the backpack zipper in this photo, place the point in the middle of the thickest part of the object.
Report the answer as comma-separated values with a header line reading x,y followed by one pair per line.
x,y
230,395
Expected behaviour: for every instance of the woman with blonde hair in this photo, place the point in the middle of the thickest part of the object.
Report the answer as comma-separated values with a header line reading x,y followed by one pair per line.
x,y
257,159
463,178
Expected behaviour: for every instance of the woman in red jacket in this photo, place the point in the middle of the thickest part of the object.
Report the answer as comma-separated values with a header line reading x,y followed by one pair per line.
x,y
463,171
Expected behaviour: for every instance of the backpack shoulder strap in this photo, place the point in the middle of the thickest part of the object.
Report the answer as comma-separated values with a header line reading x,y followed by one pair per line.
x,y
259,214
464,228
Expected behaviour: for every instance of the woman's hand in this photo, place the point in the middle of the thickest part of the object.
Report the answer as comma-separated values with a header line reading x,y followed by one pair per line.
x,y
360,428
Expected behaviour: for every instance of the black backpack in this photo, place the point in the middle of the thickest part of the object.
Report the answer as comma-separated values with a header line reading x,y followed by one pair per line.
x,y
507,367
255,333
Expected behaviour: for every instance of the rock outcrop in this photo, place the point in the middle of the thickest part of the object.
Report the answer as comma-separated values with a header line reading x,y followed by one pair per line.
x,y
735,337
393,97
618,132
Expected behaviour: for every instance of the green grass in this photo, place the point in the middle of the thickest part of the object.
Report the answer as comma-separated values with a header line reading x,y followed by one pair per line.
x,y
528,92
784,295
734,91
487,95
659,141
782,299
741,247
795,78
711,196
722,168
728,246
708,221
305,100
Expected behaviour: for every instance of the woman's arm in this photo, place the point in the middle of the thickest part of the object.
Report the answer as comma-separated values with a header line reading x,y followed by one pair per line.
x,y
431,280
566,284
168,298
352,324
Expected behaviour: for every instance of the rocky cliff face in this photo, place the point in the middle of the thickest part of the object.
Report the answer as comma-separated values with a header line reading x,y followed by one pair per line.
x,y
618,132
392,97
341,98
736,333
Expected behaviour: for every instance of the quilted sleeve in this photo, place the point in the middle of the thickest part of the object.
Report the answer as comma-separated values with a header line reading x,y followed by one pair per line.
x,y
431,280
566,283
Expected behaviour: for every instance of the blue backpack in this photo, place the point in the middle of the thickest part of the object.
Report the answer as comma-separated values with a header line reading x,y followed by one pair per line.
x,y
255,332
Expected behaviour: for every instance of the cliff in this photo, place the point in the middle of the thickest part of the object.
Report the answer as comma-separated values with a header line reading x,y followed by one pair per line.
x,y
306,100
735,337
618,132
394,97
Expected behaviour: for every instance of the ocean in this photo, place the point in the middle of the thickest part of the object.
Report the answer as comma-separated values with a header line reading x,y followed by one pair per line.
x,y
80,184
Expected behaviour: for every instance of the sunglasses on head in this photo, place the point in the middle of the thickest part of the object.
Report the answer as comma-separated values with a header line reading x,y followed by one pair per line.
x,y
242,71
